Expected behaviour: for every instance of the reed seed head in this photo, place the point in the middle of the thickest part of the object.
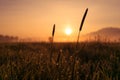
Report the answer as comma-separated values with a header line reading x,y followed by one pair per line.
x,y
53,30
83,19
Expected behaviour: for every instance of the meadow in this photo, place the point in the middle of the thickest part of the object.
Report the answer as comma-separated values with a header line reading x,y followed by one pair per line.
x,y
60,61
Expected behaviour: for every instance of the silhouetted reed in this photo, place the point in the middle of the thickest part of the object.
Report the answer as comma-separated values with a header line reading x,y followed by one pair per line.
x,y
81,25
80,29
53,32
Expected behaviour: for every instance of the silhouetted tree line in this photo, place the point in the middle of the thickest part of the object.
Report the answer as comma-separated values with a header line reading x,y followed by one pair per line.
x,y
7,38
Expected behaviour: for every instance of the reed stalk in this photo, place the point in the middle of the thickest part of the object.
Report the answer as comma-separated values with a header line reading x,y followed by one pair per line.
x,y
80,29
53,33
81,25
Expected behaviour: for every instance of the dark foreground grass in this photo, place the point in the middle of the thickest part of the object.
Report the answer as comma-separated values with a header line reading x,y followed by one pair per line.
x,y
31,61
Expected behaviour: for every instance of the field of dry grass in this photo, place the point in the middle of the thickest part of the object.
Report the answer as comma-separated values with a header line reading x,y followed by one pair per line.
x,y
61,61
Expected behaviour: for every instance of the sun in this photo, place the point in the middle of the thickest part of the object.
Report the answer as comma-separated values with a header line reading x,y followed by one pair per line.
x,y
68,31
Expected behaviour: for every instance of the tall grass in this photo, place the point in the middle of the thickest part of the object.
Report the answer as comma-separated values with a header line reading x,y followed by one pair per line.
x,y
75,57
94,62
81,25
53,33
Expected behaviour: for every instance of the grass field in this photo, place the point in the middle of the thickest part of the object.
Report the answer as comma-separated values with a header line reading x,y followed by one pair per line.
x,y
60,61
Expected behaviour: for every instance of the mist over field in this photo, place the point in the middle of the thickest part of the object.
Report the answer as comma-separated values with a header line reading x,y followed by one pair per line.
x,y
108,34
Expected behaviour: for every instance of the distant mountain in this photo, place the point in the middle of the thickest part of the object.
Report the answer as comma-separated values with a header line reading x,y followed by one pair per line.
x,y
105,34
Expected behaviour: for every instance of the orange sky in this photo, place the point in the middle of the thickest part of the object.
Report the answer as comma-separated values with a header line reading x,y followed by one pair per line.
x,y
35,18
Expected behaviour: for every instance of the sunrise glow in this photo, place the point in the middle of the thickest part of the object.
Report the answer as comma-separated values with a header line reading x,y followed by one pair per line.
x,y
68,31
34,19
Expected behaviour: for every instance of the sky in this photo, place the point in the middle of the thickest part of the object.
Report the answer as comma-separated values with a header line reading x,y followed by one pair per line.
x,y
35,18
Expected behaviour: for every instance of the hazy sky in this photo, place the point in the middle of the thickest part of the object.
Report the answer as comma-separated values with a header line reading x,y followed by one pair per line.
x,y
35,18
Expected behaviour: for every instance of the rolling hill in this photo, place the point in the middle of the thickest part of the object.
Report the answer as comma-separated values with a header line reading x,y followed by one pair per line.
x,y
106,34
